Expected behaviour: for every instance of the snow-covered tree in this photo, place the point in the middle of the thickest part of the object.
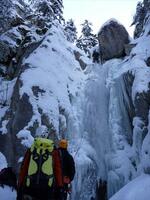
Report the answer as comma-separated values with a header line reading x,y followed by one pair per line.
x,y
86,28
87,40
57,6
138,19
139,12
71,31
49,9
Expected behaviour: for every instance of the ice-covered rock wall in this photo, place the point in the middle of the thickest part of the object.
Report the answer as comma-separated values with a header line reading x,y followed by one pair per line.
x,y
115,120
93,134
113,132
47,81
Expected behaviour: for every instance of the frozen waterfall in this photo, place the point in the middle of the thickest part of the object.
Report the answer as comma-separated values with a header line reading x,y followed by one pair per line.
x,y
104,132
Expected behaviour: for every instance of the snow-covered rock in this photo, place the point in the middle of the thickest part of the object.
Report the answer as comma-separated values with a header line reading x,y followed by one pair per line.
x,y
45,89
112,39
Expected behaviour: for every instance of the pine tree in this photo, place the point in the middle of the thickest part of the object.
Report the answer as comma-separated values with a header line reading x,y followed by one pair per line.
x,y
49,9
86,28
70,31
140,12
87,40
57,6
138,19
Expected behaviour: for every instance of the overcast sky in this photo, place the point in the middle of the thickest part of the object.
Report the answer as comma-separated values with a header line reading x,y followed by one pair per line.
x,y
99,11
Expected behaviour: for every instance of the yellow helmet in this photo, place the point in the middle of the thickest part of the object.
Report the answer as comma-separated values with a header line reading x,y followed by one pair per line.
x,y
63,144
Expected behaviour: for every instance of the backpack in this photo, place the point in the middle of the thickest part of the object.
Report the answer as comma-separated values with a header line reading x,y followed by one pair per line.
x,y
40,170
8,177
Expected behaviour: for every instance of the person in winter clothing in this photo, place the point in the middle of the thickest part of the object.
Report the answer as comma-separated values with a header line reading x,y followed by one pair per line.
x,y
68,165
68,170
8,177
36,169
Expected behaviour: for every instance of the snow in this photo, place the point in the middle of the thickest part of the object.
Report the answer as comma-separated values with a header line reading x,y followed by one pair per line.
x,y
58,76
135,190
102,114
137,67
3,162
6,92
137,134
3,129
11,37
141,82
91,109
108,22
113,142
7,193
26,137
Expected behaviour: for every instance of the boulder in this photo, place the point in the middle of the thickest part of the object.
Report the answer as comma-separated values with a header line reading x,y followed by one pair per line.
x,y
112,39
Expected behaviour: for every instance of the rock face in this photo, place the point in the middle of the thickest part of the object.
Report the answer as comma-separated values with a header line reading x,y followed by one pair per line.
x,y
79,59
18,116
112,40
25,107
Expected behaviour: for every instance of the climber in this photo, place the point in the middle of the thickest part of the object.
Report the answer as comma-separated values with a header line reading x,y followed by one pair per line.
x,y
8,177
68,170
36,173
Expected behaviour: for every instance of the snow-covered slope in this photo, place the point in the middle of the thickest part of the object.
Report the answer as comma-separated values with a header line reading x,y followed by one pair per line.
x,y
52,79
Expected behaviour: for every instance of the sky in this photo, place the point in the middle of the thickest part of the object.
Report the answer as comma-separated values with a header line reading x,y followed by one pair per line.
x,y
99,11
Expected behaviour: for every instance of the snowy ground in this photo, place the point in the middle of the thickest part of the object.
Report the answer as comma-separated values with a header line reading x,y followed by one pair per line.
x,y
138,189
